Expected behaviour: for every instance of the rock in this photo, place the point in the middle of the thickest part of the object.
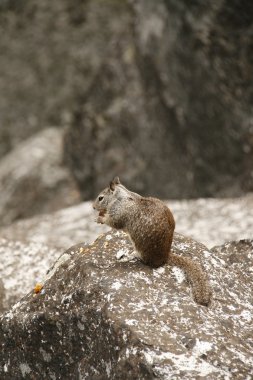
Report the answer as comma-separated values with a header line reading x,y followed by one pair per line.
x,y
2,296
101,318
177,88
163,79
215,221
33,179
40,86
23,264
237,254
61,229
210,221
195,218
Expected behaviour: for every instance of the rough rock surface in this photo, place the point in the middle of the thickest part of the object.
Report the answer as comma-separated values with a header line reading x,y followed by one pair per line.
x,y
215,221
21,260
173,83
210,221
2,296
33,179
135,80
101,318
23,264
61,229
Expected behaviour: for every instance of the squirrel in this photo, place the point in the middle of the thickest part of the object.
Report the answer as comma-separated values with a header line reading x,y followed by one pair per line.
x,y
150,226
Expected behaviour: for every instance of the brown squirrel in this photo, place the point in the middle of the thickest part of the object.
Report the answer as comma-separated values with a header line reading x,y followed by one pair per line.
x,y
150,225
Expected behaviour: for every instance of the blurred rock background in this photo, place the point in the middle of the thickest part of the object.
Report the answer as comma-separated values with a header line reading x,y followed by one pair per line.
x,y
160,93
157,92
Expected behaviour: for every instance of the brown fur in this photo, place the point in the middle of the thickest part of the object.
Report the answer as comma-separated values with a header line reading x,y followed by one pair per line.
x,y
150,225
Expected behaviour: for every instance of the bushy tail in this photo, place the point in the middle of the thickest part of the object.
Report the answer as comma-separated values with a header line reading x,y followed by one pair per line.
x,y
201,289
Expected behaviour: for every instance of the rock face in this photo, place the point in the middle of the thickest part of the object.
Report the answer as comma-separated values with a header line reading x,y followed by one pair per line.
x,y
214,221
23,264
33,179
61,229
170,99
210,221
101,318
28,247
238,255
135,80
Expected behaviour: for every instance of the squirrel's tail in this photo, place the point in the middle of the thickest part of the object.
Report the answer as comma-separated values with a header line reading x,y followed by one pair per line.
x,y
201,289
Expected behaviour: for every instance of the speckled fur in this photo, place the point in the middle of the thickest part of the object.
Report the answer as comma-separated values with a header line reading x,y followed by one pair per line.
x,y
150,225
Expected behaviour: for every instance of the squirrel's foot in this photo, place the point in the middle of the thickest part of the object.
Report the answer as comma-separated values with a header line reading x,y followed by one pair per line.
x,y
100,219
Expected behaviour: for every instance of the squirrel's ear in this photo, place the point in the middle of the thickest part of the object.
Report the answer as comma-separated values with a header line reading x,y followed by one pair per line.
x,y
114,182
112,186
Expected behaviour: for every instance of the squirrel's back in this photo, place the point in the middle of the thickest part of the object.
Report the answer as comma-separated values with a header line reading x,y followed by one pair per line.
x,y
151,227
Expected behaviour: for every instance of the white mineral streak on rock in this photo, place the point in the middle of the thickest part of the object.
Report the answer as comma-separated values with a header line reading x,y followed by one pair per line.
x,y
178,274
80,325
142,276
52,375
6,366
246,315
186,362
59,262
207,254
201,347
131,322
46,356
158,272
138,306
25,369
130,351
66,298
123,252
116,285
108,368
243,357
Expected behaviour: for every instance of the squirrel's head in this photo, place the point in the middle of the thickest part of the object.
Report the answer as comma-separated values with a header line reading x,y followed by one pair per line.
x,y
106,196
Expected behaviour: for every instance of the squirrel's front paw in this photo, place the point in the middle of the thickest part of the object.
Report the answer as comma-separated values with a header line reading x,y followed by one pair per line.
x,y
100,219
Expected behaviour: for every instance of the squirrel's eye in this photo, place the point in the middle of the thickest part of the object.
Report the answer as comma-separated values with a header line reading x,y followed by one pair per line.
x,y
100,198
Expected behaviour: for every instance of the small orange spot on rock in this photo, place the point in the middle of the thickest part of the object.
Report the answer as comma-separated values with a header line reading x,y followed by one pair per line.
x,y
38,288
